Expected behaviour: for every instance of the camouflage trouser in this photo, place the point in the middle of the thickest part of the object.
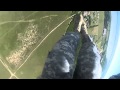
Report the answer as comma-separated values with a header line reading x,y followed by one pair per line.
x,y
60,61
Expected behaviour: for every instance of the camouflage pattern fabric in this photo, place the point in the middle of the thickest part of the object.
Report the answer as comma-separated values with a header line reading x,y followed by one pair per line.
x,y
60,62
88,62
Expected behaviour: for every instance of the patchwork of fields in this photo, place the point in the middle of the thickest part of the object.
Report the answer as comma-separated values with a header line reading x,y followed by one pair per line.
x,y
26,37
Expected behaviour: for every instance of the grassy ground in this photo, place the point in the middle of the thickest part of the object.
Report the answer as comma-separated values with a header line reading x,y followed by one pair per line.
x,y
11,26
3,72
13,23
40,54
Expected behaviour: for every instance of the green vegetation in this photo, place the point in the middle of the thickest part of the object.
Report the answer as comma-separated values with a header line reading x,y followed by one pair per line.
x,y
40,54
23,32
3,72
26,37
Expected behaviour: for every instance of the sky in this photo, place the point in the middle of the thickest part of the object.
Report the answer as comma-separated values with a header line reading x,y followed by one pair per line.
x,y
113,49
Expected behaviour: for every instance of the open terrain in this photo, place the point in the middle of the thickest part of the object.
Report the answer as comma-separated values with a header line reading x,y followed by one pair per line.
x,y
26,37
